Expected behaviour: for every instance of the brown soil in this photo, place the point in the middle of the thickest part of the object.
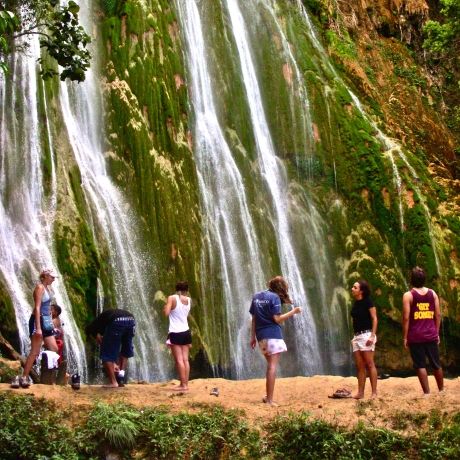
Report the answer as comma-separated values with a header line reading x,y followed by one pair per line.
x,y
398,398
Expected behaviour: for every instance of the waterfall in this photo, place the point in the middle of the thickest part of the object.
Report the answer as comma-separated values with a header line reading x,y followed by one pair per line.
x,y
323,281
130,267
216,165
299,101
277,188
26,211
229,231
231,247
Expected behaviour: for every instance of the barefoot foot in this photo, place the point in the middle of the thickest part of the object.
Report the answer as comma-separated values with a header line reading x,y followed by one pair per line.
x,y
265,400
179,388
111,386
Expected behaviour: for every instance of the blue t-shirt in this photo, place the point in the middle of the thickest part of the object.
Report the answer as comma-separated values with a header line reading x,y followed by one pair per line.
x,y
264,306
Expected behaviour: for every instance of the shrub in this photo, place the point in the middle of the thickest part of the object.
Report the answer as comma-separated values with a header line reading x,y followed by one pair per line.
x,y
32,429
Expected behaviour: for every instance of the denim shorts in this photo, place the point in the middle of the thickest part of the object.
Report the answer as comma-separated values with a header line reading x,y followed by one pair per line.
x,y
118,339
32,327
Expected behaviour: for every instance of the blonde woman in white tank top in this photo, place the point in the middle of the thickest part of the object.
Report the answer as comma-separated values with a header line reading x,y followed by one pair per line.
x,y
177,309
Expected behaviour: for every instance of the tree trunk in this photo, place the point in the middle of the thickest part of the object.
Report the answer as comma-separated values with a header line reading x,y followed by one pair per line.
x,y
9,352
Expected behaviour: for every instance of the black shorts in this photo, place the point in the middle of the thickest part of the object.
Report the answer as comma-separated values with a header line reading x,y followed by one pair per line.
x,y
420,351
32,327
180,338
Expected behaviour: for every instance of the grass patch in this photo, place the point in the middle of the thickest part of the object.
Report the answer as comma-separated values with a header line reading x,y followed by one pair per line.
x,y
402,420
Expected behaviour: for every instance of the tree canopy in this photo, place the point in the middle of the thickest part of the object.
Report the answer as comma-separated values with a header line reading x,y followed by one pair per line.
x,y
443,38
61,35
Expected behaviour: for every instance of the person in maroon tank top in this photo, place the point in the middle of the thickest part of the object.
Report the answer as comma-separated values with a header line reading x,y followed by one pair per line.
x,y
421,322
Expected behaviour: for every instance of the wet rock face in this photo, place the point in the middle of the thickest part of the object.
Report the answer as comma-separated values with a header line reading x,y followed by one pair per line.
x,y
150,147
356,208
401,19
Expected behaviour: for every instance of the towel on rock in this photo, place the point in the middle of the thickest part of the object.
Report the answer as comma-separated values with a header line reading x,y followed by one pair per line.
x,y
52,359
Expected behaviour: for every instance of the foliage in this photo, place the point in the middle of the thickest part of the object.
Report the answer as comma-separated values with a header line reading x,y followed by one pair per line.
x,y
341,44
9,23
116,424
154,433
412,74
110,6
34,429
6,372
211,433
401,420
418,247
297,435
62,36
9,328
31,429
66,42
444,38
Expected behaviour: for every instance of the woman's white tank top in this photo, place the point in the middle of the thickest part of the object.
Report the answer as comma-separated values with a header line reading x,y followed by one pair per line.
x,y
178,316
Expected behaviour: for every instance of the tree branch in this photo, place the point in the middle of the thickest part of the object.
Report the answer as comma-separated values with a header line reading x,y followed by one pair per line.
x,y
9,351
30,32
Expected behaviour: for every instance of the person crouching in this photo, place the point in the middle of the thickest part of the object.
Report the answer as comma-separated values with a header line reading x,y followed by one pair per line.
x,y
114,330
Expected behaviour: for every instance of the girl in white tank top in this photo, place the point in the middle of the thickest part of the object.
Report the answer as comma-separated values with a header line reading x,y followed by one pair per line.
x,y
178,315
177,309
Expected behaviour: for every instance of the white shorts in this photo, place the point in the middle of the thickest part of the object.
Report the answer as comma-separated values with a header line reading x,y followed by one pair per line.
x,y
270,347
359,342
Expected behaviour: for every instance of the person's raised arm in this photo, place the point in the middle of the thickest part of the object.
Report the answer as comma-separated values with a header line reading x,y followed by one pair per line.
x,y
169,305
281,318
407,299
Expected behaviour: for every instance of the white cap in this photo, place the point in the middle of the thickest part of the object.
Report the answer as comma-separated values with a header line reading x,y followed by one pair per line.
x,y
48,271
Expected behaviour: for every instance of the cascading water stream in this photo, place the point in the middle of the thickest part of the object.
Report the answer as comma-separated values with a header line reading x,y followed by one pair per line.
x,y
274,176
229,234
314,225
26,212
129,267
299,100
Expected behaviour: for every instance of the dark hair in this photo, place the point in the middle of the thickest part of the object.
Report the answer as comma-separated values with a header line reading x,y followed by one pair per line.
x,y
182,286
417,277
279,286
57,308
364,288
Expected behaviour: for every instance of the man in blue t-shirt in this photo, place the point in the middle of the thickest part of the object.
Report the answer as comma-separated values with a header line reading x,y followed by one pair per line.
x,y
266,319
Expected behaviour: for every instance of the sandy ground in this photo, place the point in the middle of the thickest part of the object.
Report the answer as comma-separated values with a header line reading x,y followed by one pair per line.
x,y
399,398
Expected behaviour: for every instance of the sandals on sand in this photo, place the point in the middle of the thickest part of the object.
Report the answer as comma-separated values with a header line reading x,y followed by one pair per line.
x,y
341,393
214,391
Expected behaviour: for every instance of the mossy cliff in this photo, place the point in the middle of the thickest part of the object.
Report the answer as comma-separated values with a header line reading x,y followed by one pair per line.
x,y
359,205
377,49
80,257
386,206
149,143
